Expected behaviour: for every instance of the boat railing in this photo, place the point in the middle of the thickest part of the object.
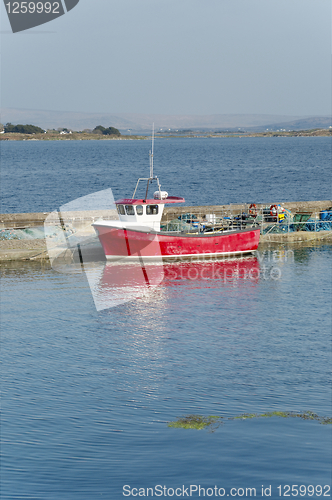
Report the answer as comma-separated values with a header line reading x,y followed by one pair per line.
x,y
270,219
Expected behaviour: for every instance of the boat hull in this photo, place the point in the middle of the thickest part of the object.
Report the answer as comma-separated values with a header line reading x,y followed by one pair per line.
x,y
125,242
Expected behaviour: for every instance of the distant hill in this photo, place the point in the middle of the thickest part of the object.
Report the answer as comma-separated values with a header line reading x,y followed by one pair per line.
x,y
301,124
139,123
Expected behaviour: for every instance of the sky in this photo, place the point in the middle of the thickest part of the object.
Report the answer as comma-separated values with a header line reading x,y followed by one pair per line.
x,y
173,57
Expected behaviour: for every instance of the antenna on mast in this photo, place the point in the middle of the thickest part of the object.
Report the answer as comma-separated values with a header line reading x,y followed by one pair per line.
x,y
151,154
151,178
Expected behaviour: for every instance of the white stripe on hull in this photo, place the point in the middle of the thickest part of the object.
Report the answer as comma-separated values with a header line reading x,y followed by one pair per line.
x,y
181,256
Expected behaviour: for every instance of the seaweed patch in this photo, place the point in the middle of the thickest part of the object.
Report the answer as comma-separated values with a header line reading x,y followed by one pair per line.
x,y
211,422
197,422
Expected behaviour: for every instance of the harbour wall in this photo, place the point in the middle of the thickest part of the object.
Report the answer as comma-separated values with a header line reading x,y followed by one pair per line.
x,y
24,220
32,249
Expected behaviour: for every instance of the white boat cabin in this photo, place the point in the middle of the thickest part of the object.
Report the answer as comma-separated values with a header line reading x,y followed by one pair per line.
x,y
146,213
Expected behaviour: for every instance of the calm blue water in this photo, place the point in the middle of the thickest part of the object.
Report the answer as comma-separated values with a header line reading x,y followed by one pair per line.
x,y
86,395
41,176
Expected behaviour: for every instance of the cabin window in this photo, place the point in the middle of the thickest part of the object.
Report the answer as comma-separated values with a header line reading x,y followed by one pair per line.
x,y
121,209
130,210
152,209
139,209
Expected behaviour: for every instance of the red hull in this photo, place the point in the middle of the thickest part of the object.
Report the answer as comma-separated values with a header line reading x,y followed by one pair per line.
x,y
128,242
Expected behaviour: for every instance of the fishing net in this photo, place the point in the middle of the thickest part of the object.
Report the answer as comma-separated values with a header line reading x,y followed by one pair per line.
x,y
177,225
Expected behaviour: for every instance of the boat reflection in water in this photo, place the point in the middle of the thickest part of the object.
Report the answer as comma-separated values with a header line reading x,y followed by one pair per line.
x,y
222,269
115,283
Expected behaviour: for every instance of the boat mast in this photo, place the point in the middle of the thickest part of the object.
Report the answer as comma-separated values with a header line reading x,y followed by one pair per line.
x,y
151,178
151,165
151,154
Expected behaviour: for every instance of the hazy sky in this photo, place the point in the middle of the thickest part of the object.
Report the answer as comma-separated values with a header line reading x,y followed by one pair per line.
x,y
173,57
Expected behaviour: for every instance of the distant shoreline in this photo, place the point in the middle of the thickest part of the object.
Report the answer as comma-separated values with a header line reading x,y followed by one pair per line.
x,y
75,136
82,136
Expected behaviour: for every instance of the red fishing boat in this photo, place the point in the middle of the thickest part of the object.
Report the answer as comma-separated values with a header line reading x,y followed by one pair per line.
x,y
138,233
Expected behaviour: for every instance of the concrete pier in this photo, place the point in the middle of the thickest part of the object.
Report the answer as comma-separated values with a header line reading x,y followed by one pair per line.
x,y
32,249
